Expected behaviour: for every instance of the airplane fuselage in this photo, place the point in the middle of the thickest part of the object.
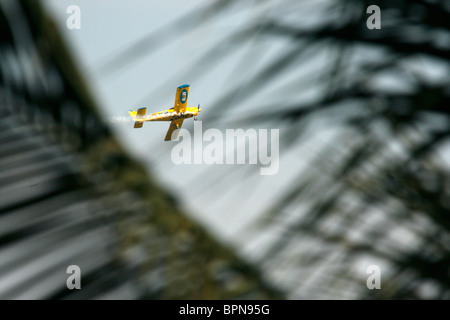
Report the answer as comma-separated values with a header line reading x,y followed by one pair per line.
x,y
169,115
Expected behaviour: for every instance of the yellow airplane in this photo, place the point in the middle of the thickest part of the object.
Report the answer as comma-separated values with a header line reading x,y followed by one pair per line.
x,y
177,114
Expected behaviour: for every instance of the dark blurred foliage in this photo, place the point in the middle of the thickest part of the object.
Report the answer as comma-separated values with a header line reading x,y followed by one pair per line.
x,y
377,192
69,194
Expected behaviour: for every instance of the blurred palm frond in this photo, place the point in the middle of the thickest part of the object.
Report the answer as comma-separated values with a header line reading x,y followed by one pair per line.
x,y
377,190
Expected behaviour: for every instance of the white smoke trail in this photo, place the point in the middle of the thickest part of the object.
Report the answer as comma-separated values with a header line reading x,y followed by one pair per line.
x,y
119,119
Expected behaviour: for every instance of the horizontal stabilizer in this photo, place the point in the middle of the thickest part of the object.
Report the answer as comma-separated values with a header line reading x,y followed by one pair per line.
x,y
141,112
138,124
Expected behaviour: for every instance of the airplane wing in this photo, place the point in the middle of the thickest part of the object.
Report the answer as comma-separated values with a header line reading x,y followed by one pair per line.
x,y
174,125
181,98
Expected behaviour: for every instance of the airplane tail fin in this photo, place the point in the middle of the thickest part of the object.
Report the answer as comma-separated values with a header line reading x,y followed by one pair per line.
x,y
136,116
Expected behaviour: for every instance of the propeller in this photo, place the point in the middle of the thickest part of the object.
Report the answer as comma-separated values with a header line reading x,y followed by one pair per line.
x,y
198,110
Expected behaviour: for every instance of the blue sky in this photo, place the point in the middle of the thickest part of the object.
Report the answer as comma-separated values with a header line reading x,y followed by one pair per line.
x,y
107,27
